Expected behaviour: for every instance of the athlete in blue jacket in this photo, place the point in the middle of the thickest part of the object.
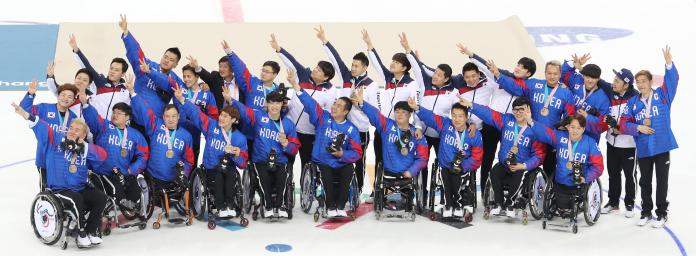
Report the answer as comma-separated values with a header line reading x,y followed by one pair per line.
x,y
519,149
205,100
550,98
648,120
225,152
67,158
127,153
579,160
333,159
457,146
275,140
154,81
57,115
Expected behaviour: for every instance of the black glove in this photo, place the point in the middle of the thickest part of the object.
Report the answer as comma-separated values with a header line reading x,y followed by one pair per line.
x,y
577,172
336,143
511,158
225,162
593,111
457,162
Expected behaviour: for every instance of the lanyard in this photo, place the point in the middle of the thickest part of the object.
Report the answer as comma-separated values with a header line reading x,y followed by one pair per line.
x,y
170,139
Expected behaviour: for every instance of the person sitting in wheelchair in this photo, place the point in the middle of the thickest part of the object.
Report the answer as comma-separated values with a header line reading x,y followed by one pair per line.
x,y
67,159
127,153
458,153
225,151
519,151
275,139
336,147
404,154
579,159
171,148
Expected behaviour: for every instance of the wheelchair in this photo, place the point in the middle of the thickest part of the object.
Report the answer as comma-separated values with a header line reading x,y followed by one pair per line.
x,y
251,185
467,193
203,197
111,211
164,194
53,220
311,190
397,194
529,195
587,199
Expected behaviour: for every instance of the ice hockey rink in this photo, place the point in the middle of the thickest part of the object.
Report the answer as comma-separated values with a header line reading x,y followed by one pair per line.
x,y
618,34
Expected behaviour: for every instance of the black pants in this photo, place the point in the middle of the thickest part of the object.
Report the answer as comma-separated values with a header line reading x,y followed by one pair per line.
x,y
661,164
307,144
272,179
432,143
250,149
550,161
129,190
377,146
621,159
565,195
491,138
500,176
360,164
451,182
223,187
88,200
336,182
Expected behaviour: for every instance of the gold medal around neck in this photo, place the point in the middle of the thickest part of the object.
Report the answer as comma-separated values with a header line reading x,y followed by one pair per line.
x,y
170,153
124,153
404,151
72,168
228,149
647,122
569,165
545,111
514,149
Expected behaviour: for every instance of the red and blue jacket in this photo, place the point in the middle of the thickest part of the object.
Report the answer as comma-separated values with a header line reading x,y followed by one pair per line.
x,y
327,130
155,87
663,139
598,100
586,151
58,175
215,139
450,140
530,151
159,166
109,137
48,113
266,131
560,105
394,161
205,101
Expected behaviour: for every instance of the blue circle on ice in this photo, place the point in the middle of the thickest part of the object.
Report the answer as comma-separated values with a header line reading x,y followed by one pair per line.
x,y
278,248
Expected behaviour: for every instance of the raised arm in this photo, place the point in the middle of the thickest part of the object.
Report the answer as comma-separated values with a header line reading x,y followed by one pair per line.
x,y
669,85
488,115
99,81
380,69
96,123
432,120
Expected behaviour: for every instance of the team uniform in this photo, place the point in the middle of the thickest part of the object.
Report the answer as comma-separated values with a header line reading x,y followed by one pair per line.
x,y
205,101
452,143
653,150
356,115
106,93
595,103
127,155
529,151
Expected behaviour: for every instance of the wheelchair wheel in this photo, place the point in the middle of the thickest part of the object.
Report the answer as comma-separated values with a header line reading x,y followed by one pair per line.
x,y
199,195
291,192
354,195
47,218
536,194
419,191
592,202
307,187
433,185
247,189
239,194
549,207
146,205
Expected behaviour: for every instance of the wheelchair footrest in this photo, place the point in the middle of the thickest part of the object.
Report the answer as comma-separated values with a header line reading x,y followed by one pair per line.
x,y
176,220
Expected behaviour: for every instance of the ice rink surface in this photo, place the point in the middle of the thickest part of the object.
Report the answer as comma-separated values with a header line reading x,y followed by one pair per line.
x,y
559,29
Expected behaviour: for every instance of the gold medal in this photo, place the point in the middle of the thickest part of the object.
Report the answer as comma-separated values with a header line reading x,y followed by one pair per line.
x,y
170,153
72,168
514,149
545,111
569,165
404,151
228,149
124,153
647,121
